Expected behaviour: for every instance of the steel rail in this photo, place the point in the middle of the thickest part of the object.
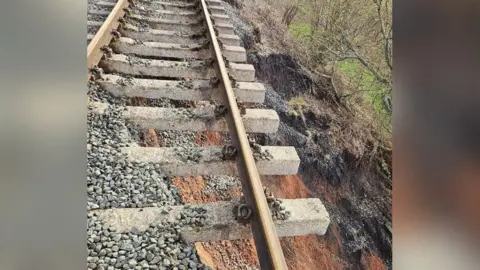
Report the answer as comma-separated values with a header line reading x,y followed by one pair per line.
x,y
104,34
267,243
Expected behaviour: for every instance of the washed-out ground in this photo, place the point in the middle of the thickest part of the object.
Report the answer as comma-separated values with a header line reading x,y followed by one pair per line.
x,y
356,194
358,200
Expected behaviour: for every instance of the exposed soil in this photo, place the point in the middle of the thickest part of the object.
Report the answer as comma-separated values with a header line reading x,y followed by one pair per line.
x,y
311,252
372,262
286,186
219,254
207,138
335,168
237,254
302,252
344,161
151,138
343,164
192,191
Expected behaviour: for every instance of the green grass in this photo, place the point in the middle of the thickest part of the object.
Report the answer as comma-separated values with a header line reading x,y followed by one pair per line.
x,y
364,81
301,28
296,102
353,72
300,31
296,105
304,8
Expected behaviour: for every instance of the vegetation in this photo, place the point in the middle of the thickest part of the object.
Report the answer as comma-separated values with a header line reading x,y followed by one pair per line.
x,y
345,47
297,105
352,40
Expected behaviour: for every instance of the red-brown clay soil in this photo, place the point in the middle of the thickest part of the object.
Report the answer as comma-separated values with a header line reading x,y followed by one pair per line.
x,y
286,186
309,252
191,191
372,262
301,252
220,254
235,254
223,254
207,138
151,138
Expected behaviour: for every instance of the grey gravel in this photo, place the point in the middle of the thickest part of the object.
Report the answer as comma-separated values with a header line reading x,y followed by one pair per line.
x,y
243,30
93,6
161,245
111,180
133,60
92,29
112,183
142,26
94,17
175,138
167,138
220,183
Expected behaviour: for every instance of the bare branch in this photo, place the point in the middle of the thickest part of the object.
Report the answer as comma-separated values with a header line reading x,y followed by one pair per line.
x,y
364,62
386,40
289,14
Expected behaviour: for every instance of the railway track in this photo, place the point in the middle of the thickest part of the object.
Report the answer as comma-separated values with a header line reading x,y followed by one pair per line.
x,y
180,52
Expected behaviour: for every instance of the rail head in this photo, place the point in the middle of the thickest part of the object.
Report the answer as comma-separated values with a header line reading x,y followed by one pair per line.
x,y
267,243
